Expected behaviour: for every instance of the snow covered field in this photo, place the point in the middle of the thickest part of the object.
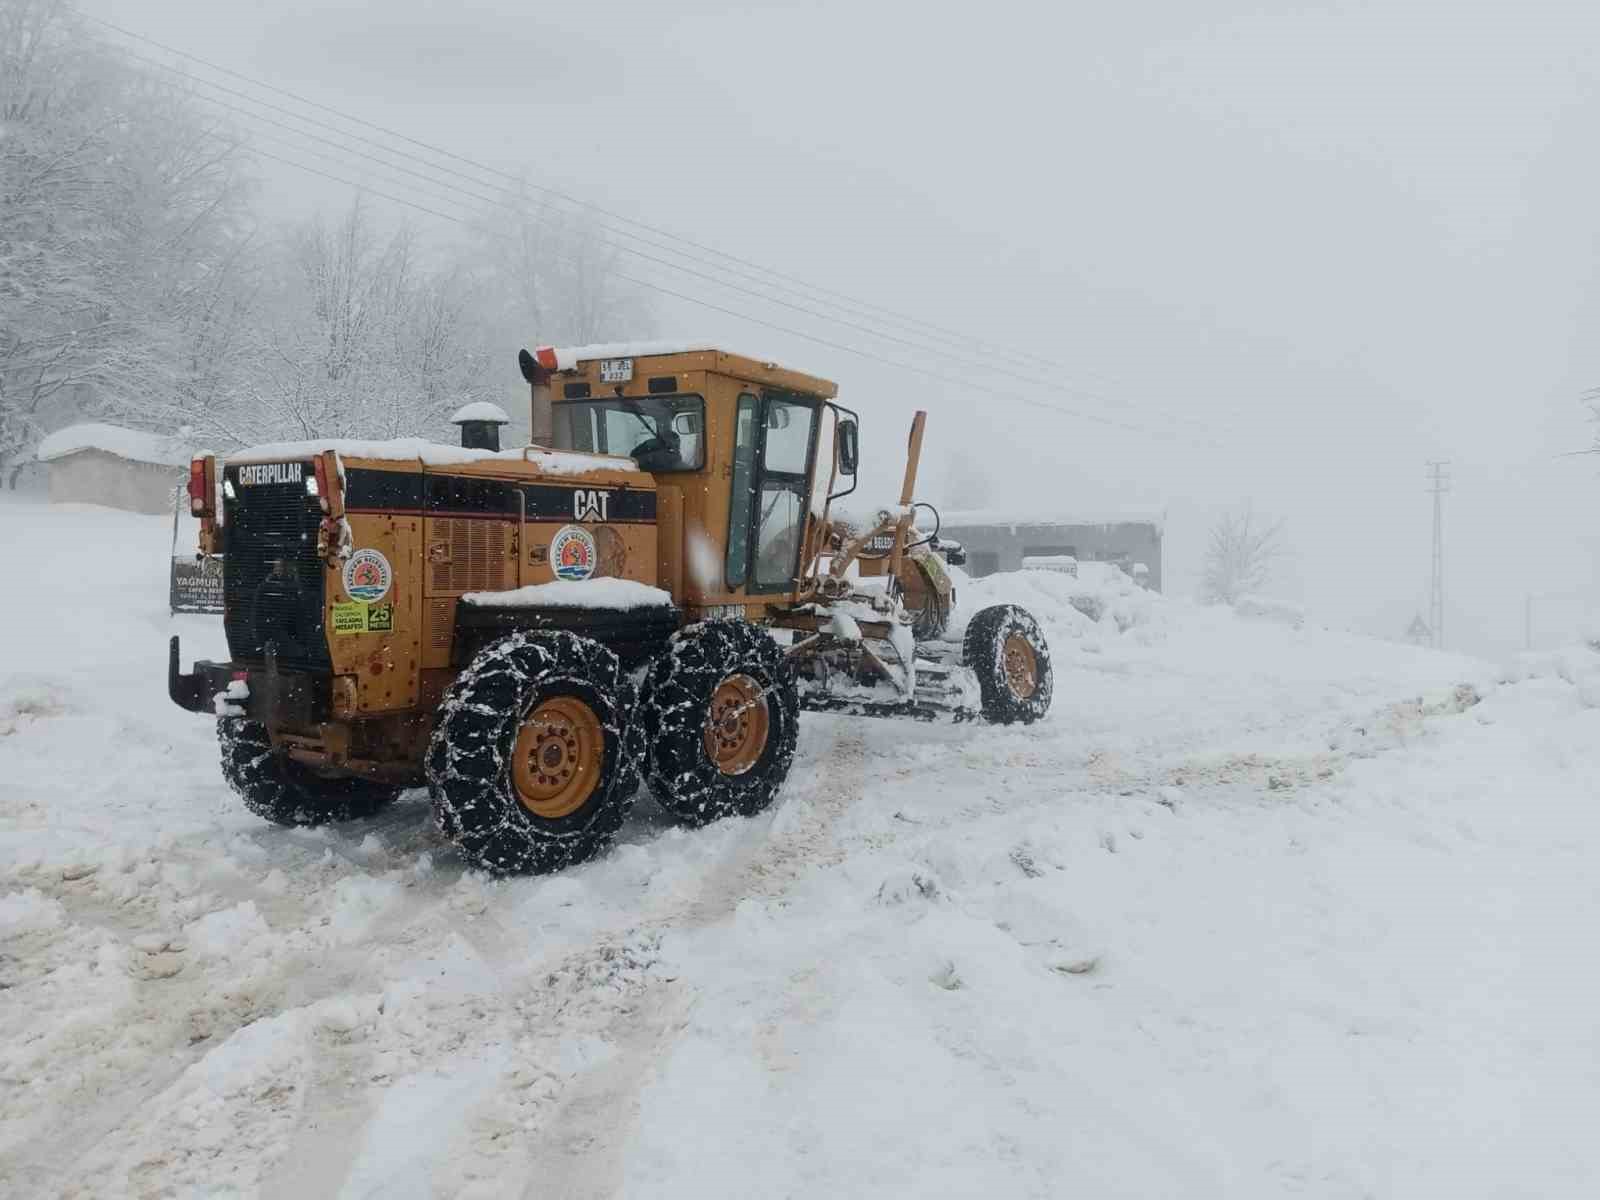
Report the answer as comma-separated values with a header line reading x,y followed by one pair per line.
x,y
1260,911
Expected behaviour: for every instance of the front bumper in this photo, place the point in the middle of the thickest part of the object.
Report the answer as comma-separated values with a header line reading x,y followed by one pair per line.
x,y
277,697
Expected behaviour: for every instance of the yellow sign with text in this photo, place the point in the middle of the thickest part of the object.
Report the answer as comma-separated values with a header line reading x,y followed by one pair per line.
x,y
355,617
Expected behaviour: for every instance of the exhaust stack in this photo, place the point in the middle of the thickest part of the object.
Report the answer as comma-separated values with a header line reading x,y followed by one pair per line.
x,y
480,425
537,370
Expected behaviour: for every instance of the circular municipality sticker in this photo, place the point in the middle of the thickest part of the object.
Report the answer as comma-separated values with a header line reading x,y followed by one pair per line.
x,y
572,553
367,576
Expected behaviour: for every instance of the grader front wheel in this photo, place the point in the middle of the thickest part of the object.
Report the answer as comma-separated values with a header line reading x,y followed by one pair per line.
x,y
1007,652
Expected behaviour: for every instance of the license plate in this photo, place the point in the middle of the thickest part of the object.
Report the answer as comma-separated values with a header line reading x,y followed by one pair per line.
x,y
616,370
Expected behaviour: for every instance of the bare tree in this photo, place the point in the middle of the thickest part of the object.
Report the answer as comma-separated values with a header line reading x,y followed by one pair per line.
x,y
1240,558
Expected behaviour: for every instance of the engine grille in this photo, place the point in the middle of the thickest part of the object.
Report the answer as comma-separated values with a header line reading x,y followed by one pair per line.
x,y
478,557
272,577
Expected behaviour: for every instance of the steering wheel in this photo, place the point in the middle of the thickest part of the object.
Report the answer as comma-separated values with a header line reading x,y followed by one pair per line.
x,y
657,454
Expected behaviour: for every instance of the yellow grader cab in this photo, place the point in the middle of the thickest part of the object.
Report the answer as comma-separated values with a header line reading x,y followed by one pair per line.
x,y
653,590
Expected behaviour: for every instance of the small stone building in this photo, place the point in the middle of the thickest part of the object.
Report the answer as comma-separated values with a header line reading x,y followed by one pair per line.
x,y
999,541
114,467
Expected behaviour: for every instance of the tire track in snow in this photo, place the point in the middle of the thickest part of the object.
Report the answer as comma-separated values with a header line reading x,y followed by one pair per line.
x,y
580,1148
184,1005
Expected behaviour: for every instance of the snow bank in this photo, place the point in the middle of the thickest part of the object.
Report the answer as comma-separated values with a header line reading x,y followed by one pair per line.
x,y
1578,665
622,594
1100,596
130,444
1261,608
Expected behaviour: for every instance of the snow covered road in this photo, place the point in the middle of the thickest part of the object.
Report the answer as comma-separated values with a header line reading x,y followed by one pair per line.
x,y
1259,911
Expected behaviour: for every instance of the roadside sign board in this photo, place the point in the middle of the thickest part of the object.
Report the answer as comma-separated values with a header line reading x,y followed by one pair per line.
x,y
196,586
196,583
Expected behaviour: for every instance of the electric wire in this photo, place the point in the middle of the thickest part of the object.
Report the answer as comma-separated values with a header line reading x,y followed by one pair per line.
x,y
944,351
832,344
764,275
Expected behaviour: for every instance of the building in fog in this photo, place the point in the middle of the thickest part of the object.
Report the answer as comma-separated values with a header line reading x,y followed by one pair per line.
x,y
999,541
114,467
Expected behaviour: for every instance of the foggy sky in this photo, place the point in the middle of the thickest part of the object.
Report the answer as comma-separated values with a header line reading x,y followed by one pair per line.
x,y
1308,246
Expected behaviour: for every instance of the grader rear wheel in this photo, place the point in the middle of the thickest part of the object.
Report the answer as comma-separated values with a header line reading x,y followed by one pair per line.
x,y
719,715
556,762
737,725
534,761
280,790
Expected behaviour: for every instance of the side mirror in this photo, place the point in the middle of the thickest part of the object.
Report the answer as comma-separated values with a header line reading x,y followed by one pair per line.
x,y
848,442
777,417
685,424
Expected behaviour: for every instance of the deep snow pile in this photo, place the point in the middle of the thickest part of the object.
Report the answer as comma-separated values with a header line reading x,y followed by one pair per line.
x,y
1260,910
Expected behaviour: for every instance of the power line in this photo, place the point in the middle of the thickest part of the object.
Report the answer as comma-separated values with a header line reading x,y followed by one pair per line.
x,y
944,351
843,347
765,275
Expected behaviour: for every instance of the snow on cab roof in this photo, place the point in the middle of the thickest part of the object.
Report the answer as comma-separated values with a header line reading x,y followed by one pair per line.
x,y
568,357
131,444
435,454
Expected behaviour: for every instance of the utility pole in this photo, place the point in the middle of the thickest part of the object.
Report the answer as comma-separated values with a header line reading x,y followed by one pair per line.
x,y
1440,484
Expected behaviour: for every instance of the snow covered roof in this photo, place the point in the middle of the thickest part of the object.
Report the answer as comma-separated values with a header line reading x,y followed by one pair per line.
x,y
130,444
481,410
568,357
968,518
435,454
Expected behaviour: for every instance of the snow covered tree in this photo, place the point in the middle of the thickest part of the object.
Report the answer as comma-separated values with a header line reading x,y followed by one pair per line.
x,y
360,339
1240,556
967,485
551,273
135,286
118,201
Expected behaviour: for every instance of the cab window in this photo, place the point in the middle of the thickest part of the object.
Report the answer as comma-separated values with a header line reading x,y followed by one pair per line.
x,y
741,489
786,429
660,433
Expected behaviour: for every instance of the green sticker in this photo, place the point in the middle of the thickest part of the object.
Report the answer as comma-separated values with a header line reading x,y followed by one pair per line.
x,y
350,617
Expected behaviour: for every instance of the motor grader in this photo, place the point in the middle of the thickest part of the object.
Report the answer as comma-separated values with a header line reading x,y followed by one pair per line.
x,y
653,589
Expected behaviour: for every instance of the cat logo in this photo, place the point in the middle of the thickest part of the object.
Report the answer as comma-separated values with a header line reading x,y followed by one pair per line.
x,y
590,504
